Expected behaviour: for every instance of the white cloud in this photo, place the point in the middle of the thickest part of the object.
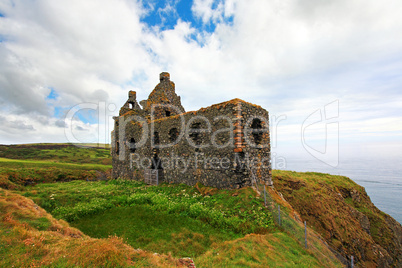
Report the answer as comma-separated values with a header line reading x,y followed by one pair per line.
x,y
18,125
290,56
204,10
74,47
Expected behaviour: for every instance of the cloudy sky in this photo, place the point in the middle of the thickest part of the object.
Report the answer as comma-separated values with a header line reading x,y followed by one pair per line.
x,y
329,72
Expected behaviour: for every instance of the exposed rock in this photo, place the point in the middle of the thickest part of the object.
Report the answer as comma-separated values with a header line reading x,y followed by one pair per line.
x,y
397,231
355,195
362,219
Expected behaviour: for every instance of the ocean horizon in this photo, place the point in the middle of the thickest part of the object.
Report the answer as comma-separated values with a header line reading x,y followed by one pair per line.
x,y
381,178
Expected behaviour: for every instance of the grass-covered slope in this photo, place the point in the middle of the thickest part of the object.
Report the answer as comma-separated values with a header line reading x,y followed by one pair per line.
x,y
123,223
167,219
30,237
341,211
217,228
58,152
28,164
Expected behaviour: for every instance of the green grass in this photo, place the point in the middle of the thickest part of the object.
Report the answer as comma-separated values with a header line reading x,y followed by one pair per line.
x,y
67,153
271,250
30,237
24,244
40,224
213,226
177,220
242,212
15,163
316,179
155,231
338,208
167,218
173,219
22,165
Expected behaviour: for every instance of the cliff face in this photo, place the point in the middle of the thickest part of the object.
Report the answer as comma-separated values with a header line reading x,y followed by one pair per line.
x,y
342,212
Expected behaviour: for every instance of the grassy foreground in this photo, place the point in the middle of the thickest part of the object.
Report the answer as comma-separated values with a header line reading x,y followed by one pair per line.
x,y
30,237
56,213
33,237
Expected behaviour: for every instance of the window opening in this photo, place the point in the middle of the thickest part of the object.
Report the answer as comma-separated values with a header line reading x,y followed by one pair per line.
x,y
132,145
194,134
156,162
257,133
173,134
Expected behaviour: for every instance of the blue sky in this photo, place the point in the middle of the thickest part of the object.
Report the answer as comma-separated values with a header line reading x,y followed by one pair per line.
x,y
291,57
165,14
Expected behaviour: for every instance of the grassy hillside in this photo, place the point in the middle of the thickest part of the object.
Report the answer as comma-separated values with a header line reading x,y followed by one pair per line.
x,y
342,212
56,152
116,218
167,219
92,221
22,165
30,237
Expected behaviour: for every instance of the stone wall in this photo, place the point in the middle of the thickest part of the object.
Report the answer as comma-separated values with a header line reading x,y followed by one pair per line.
x,y
220,146
163,100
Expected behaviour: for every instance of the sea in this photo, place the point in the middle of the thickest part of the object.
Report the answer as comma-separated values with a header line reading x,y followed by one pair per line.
x,y
381,178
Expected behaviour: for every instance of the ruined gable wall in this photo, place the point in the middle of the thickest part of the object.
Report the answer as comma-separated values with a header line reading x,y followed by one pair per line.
x,y
165,98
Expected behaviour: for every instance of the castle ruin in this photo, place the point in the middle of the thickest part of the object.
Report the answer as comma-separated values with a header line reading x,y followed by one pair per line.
x,y
226,145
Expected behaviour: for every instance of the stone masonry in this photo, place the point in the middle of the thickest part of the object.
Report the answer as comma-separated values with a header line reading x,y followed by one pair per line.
x,y
226,145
